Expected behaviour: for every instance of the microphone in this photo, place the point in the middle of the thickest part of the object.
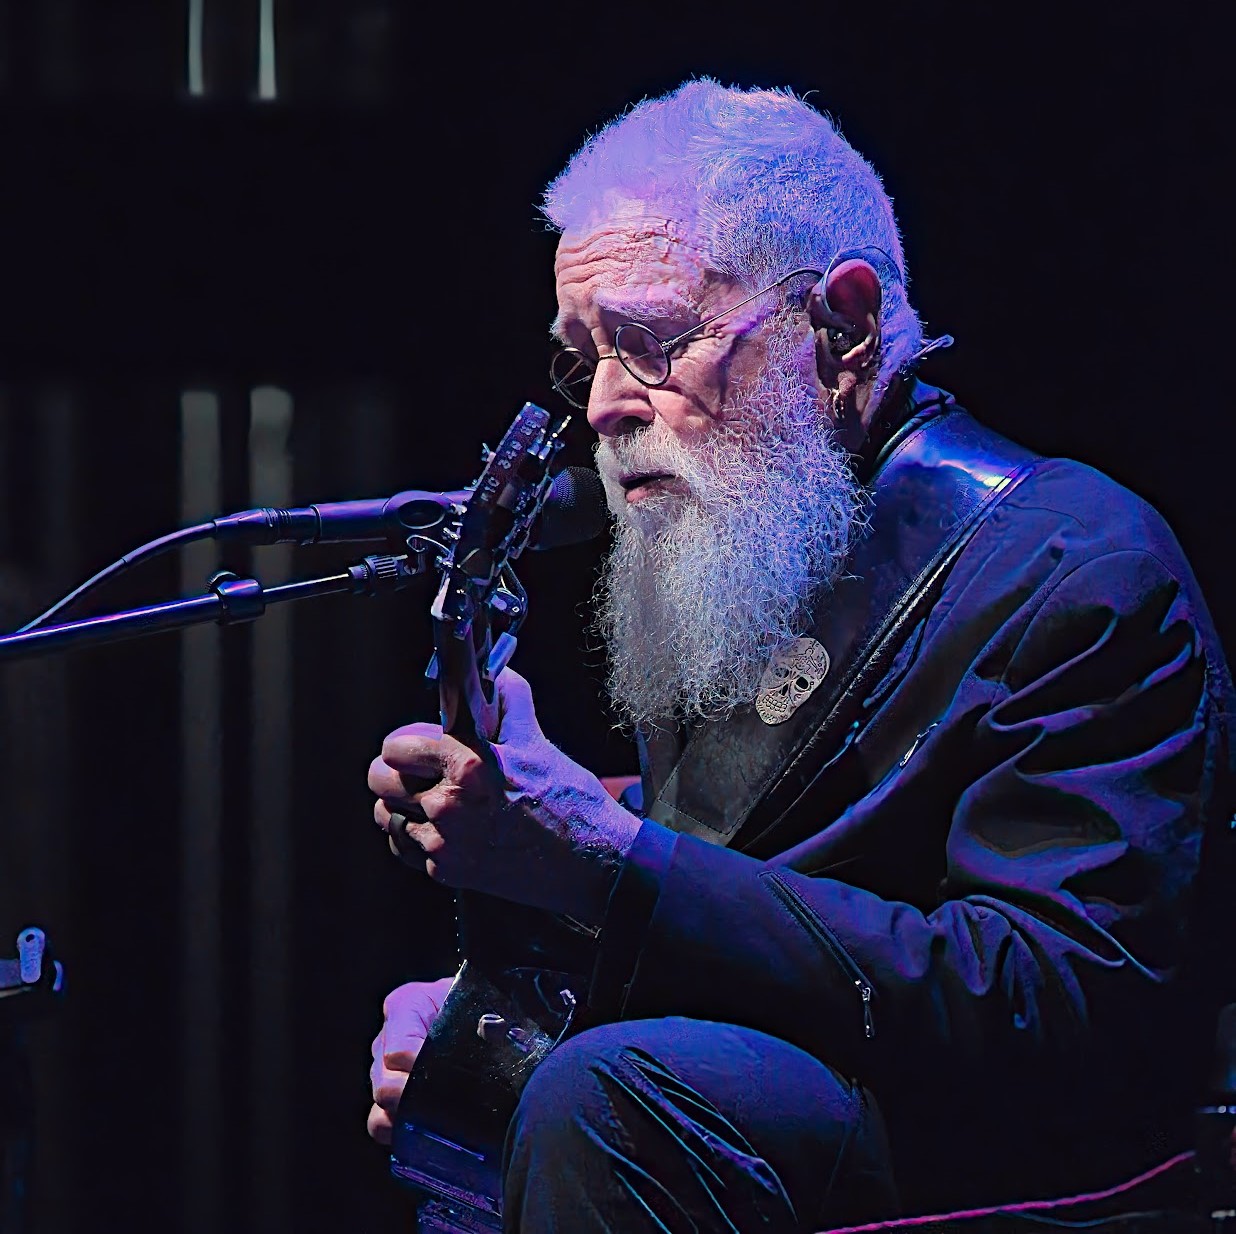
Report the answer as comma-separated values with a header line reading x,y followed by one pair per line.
x,y
574,512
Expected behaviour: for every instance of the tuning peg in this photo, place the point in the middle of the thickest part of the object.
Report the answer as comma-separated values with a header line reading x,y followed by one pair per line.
x,y
507,602
486,453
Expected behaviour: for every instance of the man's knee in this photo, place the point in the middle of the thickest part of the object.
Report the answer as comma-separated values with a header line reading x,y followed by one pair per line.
x,y
571,1089
623,1119
633,1096
639,1064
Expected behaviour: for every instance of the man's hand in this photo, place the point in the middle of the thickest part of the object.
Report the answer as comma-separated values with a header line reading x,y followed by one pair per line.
x,y
517,819
408,1012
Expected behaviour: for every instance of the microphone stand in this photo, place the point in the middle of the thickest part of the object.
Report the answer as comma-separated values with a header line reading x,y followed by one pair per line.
x,y
29,985
27,982
228,600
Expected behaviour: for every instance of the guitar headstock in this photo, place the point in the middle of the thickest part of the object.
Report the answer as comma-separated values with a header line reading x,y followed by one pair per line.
x,y
479,591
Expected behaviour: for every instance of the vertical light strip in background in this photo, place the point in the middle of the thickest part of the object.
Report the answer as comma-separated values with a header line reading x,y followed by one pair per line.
x,y
46,728
195,75
270,846
201,819
268,77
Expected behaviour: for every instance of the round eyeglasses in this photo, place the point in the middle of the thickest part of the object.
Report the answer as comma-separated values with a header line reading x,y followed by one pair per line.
x,y
645,356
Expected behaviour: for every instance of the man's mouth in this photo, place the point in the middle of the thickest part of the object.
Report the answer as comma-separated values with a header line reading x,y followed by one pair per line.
x,y
637,484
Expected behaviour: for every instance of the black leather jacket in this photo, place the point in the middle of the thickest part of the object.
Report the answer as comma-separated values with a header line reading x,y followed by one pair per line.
x,y
998,924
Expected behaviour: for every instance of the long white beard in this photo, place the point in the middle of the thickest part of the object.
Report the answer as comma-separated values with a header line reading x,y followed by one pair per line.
x,y
701,587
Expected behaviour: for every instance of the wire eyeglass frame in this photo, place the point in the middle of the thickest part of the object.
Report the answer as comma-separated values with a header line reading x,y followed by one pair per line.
x,y
571,367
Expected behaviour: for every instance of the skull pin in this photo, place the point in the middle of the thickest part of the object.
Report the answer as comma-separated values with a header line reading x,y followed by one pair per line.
x,y
793,673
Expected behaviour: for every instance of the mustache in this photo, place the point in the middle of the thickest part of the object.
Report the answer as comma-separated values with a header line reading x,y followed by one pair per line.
x,y
649,451
643,452
710,464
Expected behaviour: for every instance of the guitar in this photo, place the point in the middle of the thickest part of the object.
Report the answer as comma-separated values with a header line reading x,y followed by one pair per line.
x,y
520,987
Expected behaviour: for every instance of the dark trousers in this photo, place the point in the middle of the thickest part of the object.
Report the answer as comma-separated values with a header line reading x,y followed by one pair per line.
x,y
682,1125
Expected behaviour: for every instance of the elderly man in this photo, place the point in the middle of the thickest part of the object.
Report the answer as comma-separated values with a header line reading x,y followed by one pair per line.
x,y
932,738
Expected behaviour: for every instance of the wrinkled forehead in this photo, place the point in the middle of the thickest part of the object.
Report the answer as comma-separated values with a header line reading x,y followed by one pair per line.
x,y
631,250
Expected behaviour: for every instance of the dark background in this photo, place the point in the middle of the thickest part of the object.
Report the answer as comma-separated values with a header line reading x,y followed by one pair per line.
x,y
186,816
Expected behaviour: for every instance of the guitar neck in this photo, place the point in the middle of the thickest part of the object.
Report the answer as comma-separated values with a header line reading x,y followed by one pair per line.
x,y
467,702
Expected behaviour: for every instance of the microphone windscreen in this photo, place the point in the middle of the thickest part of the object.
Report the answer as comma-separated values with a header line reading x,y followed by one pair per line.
x,y
575,510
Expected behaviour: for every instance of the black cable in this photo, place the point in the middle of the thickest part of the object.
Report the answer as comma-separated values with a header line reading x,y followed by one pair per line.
x,y
185,535
1039,1208
1109,1222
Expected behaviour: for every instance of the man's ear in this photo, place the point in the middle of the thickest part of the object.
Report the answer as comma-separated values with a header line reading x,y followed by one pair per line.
x,y
845,315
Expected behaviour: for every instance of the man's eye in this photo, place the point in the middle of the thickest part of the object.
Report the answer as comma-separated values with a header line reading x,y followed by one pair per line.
x,y
638,342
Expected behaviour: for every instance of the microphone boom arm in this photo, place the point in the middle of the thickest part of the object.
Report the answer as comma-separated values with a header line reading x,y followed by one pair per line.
x,y
228,600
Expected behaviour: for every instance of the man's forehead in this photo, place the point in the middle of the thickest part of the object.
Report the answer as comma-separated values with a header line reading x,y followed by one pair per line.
x,y
633,255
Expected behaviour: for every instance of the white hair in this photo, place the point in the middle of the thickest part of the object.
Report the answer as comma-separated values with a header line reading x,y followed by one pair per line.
x,y
769,181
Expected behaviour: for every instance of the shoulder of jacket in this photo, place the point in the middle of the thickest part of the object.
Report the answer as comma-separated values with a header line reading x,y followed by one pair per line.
x,y
1101,511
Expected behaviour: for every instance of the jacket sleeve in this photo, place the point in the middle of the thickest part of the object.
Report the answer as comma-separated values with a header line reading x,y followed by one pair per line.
x,y
1070,857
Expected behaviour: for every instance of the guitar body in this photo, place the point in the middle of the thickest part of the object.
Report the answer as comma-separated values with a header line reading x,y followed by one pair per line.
x,y
525,972
497,1024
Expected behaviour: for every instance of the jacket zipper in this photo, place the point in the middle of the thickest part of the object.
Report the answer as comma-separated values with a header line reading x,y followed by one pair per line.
x,y
914,745
815,926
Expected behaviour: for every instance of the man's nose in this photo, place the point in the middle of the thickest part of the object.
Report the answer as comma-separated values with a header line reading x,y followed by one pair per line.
x,y
617,403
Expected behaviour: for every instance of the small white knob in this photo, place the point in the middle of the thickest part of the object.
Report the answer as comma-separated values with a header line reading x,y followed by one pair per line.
x,y
491,1027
